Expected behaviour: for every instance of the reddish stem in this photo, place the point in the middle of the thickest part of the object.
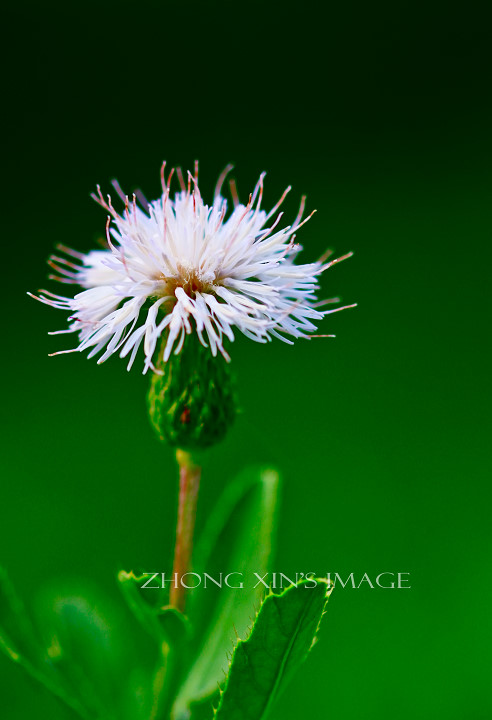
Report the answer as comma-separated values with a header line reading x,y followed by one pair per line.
x,y
189,483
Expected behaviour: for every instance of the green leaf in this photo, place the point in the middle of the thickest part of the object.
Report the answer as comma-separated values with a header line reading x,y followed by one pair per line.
x,y
163,624
81,649
143,612
175,626
284,632
17,634
21,643
170,629
176,629
80,630
237,538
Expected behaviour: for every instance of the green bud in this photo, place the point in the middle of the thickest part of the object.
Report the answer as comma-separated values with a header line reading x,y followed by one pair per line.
x,y
192,403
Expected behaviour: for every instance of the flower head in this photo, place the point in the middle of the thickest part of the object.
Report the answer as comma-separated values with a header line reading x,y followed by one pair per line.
x,y
177,266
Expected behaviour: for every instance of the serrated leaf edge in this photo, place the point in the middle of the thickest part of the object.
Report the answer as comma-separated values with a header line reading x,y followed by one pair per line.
x,y
329,589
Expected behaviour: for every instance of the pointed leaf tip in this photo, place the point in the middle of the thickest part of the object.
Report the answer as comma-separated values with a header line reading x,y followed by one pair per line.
x,y
281,638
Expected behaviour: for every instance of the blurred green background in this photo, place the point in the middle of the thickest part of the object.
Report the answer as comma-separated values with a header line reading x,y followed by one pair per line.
x,y
381,114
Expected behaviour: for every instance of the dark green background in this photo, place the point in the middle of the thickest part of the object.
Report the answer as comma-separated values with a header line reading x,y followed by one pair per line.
x,y
382,115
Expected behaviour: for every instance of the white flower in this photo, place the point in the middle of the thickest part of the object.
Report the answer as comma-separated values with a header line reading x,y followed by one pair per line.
x,y
177,266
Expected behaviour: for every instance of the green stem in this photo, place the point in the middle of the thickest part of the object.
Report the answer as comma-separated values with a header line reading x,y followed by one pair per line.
x,y
189,482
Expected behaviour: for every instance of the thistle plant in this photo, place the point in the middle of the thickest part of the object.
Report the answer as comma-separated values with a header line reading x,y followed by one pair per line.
x,y
175,282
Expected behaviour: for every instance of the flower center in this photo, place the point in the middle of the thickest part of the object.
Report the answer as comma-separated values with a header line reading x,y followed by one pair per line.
x,y
190,279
